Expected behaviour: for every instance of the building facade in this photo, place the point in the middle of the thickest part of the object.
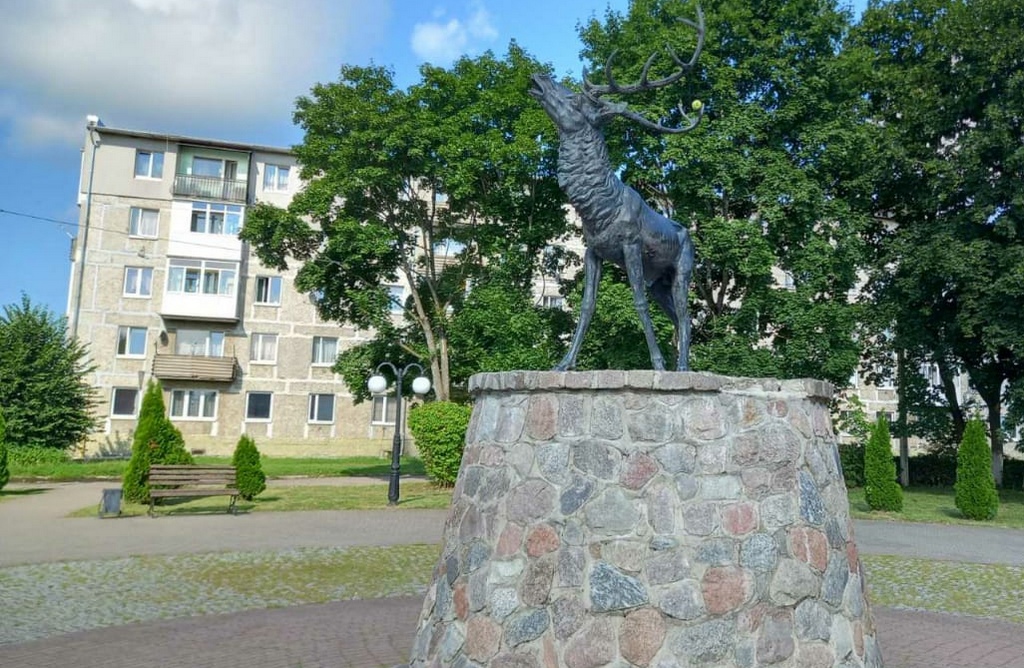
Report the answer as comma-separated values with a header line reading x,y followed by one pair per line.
x,y
162,287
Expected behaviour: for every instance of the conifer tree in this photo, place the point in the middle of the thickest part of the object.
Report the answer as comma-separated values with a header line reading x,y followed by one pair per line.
x,y
880,487
249,474
156,441
5,474
976,495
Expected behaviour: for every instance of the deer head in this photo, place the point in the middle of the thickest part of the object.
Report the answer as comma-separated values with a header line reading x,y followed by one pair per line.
x,y
572,111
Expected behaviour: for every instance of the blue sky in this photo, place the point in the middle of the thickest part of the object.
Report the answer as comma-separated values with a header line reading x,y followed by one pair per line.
x,y
225,69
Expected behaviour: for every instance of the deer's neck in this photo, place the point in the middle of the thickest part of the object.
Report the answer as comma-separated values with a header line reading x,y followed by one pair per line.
x,y
587,179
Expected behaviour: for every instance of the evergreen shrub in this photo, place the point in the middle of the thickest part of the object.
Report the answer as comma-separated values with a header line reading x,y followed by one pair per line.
x,y
851,457
5,473
976,495
880,487
439,428
156,441
249,476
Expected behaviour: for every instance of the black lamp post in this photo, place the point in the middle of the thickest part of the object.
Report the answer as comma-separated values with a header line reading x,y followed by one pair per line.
x,y
378,384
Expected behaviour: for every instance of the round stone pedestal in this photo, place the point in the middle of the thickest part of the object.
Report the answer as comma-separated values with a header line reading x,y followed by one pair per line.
x,y
643,518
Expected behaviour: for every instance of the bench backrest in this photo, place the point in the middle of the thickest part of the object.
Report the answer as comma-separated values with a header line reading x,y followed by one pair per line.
x,y
166,474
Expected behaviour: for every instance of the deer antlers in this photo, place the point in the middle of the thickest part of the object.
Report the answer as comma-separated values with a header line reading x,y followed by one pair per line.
x,y
594,92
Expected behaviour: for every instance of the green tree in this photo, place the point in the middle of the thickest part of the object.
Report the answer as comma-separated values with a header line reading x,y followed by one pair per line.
x,y
5,473
43,386
156,441
774,179
439,428
948,259
249,474
880,487
976,495
423,187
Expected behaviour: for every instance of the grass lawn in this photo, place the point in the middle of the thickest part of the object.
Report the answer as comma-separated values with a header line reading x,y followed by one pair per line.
x,y
305,497
937,505
274,467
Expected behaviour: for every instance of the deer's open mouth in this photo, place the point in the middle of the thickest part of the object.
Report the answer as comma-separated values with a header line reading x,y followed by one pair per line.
x,y
535,89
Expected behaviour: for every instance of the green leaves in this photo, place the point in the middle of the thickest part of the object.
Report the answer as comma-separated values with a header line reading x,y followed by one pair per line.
x,y
44,391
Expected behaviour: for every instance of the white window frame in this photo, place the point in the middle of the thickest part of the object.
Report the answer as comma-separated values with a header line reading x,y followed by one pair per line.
x,y
202,399
396,299
137,219
213,343
181,272
257,341
149,172
318,351
135,280
553,301
124,335
135,402
248,406
272,178
267,296
231,216
384,401
315,399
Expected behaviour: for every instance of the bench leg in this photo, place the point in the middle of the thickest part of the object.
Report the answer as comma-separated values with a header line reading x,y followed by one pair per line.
x,y
152,501
232,508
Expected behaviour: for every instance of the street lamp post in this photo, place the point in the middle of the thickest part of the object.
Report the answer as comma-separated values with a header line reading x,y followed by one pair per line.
x,y
378,384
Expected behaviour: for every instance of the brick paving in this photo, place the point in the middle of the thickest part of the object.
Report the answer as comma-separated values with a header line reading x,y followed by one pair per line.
x,y
379,632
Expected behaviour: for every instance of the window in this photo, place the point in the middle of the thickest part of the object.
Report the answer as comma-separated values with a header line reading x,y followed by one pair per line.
x,y
213,218
448,248
206,276
199,343
321,408
263,348
123,402
268,289
131,341
325,350
149,164
207,167
257,405
275,177
194,404
383,410
552,301
397,298
143,222
138,281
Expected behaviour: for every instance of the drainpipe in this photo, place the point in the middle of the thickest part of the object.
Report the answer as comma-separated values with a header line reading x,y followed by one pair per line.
x,y
91,123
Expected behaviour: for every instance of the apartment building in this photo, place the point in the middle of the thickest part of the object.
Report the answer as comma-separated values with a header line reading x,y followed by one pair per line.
x,y
161,287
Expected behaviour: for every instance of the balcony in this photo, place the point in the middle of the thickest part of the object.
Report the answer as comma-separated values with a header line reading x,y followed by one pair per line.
x,y
209,187
167,366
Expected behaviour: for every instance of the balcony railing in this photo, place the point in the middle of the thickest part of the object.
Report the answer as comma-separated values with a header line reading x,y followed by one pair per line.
x,y
167,366
209,187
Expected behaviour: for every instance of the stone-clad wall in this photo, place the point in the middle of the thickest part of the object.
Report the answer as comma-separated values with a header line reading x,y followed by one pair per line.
x,y
615,518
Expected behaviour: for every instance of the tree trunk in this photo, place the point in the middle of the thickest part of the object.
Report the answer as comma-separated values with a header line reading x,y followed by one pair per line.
x,y
948,378
901,363
996,434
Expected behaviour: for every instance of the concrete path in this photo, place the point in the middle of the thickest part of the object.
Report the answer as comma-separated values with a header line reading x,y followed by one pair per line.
x,y
379,632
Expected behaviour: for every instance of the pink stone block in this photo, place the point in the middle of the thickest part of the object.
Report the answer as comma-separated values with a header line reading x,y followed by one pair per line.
x,y
739,518
541,540
725,588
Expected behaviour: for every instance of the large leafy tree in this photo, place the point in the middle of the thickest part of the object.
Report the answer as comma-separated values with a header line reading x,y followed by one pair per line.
x,y
774,179
426,187
43,389
946,90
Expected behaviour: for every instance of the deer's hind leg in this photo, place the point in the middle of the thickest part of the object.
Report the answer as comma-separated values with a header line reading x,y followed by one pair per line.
x,y
635,272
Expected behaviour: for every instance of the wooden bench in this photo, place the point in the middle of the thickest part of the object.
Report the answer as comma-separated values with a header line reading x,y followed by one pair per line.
x,y
166,481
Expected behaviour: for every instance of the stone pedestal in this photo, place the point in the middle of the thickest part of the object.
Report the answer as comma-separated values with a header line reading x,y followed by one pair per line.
x,y
645,518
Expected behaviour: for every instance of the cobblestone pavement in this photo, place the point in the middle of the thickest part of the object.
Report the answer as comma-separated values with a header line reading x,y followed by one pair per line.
x,y
379,632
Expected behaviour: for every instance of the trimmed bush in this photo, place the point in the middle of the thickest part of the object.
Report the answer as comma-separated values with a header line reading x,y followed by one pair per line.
x,y
156,441
976,495
5,473
28,456
439,428
880,487
248,472
851,457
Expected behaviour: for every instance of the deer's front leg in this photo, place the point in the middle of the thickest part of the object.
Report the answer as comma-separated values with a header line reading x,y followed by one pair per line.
x,y
635,272
591,277
681,296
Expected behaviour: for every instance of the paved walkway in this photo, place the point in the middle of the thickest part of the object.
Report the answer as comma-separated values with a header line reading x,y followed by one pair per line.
x,y
379,632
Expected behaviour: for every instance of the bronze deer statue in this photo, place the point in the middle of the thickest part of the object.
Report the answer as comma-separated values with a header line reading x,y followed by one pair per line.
x,y
618,226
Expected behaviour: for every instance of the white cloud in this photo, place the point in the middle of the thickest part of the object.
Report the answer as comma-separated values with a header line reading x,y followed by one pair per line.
x,y
174,64
440,42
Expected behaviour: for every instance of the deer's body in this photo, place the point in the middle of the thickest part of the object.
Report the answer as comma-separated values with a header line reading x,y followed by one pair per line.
x,y
618,226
